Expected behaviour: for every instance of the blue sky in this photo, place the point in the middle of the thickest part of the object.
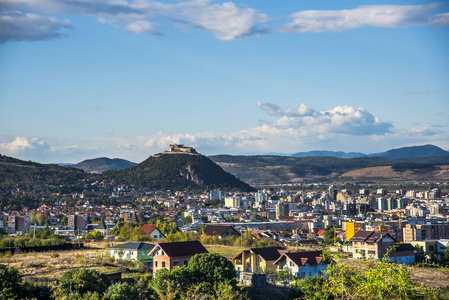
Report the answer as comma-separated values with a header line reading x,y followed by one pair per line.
x,y
83,79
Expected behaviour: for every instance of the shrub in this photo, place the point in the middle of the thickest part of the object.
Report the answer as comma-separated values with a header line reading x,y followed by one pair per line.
x,y
81,281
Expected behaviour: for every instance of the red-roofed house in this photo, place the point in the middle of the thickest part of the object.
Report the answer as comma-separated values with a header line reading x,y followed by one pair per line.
x,y
152,231
302,264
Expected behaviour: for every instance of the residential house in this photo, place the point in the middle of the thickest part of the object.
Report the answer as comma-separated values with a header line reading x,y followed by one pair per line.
x,y
152,231
257,260
221,232
302,264
371,244
132,250
374,244
178,254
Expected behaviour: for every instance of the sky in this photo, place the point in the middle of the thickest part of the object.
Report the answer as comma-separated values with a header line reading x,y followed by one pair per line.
x,y
81,79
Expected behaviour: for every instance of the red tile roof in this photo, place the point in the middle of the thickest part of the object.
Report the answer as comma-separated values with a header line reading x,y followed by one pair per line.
x,y
148,228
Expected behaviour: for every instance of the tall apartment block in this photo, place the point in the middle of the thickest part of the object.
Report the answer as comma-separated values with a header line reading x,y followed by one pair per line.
x,y
19,224
77,222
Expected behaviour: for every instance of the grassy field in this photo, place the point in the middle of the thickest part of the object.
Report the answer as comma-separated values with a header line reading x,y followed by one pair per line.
x,y
227,251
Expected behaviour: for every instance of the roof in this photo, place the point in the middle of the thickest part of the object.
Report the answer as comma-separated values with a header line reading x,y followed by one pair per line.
x,y
148,228
217,229
101,225
268,253
182,248
301,258
238,256
369,236
404,247
132,246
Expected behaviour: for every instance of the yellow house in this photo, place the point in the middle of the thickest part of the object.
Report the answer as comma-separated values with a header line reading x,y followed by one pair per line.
x,y
256,260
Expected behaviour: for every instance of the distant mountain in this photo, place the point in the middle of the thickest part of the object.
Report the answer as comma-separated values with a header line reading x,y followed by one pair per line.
x,y
99,165
415,151
338,154
267,170
179,170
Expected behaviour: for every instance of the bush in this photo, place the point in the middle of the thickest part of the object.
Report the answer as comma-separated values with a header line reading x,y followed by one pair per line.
x,y
10,283
81,281
121,291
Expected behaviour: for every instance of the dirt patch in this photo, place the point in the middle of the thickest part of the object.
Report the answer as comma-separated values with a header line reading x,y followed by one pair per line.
x,y
432,277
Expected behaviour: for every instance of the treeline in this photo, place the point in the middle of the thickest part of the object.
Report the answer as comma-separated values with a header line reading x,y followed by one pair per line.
x,y
407,166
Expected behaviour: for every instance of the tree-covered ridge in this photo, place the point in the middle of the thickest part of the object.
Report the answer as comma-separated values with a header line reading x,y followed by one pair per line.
x,y
18,172
178,172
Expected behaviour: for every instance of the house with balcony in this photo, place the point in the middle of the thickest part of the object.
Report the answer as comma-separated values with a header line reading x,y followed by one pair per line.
x,y
377,245
257,260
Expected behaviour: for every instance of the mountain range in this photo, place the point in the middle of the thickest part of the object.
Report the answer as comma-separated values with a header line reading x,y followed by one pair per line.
x,y
399,153
193,171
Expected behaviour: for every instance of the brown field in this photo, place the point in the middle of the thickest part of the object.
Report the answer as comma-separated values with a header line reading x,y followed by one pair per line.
x,y
387,173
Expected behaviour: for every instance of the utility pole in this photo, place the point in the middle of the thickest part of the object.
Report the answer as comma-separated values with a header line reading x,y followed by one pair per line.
x,y
34,232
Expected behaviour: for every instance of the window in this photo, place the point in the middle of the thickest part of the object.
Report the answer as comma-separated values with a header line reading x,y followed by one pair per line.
x,y
155,263
163,264
186,262
431,248
176,263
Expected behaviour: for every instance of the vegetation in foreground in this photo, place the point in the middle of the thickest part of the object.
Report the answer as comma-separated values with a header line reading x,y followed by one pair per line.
x,y
208,276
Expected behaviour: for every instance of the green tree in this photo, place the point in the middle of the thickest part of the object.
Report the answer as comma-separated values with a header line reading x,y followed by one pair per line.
x,y
96,235
10,283
329,236
212,268
121,291
81,281
170,284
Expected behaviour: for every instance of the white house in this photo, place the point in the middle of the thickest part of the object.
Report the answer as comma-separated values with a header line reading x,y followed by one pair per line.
x,y
302,264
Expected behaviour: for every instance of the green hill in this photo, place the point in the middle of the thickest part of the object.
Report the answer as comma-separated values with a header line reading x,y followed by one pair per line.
x,y
178,172
16,172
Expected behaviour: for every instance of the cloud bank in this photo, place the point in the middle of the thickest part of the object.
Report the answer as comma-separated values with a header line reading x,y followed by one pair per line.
x,y
292,129
225,20
387,16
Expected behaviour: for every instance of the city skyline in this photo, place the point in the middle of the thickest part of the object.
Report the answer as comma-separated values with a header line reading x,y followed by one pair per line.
x,y
125,79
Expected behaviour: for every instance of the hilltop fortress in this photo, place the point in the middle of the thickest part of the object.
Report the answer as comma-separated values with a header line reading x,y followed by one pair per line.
x,y
180,149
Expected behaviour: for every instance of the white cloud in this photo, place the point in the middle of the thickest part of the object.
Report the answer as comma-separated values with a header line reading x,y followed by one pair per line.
x,y
276,110
340,119
392,16
423,131
19,26
440,20
142,27
226,21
